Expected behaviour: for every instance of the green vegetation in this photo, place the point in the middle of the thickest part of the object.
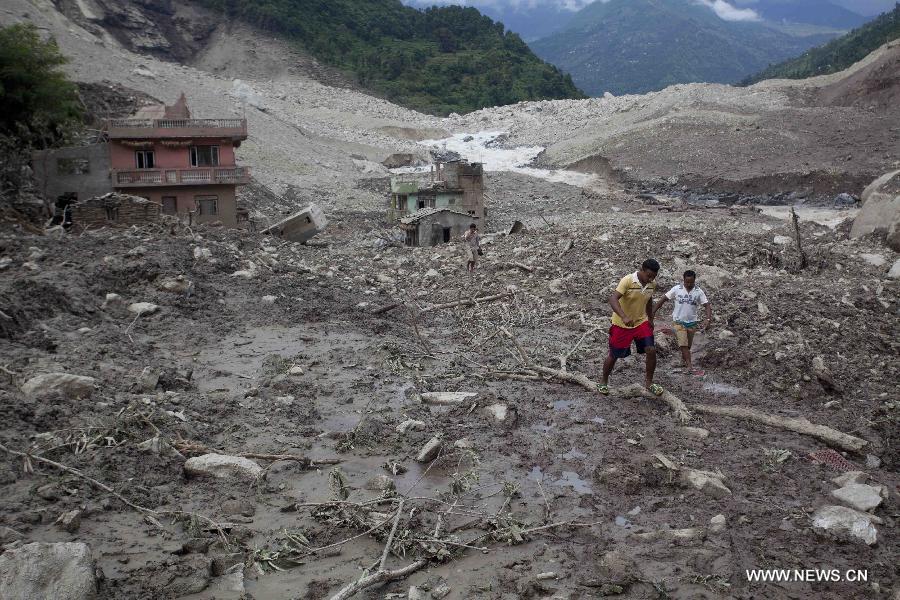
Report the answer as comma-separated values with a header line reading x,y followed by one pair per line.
x,y
837,54
439,60
39,106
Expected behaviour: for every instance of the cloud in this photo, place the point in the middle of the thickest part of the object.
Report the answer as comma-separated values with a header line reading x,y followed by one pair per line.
x,y
518,5
727,12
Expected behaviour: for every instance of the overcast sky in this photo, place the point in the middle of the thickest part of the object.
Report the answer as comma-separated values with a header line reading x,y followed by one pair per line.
x,y
733,10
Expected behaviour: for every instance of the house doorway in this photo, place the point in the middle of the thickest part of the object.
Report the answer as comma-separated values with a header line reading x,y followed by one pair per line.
x,y
447,231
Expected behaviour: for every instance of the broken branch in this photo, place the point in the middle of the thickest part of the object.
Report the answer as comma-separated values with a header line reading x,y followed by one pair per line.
x,y
798,425
678,407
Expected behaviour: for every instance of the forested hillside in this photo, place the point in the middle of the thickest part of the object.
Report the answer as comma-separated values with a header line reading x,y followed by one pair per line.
x,y
439,60
837,54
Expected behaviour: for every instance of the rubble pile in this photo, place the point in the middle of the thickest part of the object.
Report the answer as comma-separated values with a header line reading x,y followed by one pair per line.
x,y
229,388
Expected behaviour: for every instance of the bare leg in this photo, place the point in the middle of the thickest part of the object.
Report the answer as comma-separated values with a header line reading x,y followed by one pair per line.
x,y
651,366
686,356
608,365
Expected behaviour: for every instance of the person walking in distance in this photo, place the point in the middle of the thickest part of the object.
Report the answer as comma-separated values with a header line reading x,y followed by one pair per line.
x,y
632,321
473,247
688,299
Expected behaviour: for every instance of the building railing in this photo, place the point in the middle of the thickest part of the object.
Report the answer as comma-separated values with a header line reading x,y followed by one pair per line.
x,y
157,128
196,176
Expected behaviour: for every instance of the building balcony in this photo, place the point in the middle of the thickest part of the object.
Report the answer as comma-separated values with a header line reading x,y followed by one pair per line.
x,y
235,129
173,177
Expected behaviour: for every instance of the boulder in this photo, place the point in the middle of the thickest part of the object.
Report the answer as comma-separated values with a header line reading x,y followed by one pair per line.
x,y
70,386
430,450
176,285
143,308
497,411
880,210
61,571
894,273
70,521
411,425
859,496
717,523
851,477
705,481
446,398
380,483
845,524
698,433
222,466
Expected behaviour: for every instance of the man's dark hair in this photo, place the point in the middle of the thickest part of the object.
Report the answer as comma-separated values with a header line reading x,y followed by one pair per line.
x,y
473,226
650,265
689,273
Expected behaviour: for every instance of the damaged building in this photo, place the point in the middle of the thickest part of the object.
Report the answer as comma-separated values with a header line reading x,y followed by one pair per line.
x,y
457,186
114,209
163,154
433,226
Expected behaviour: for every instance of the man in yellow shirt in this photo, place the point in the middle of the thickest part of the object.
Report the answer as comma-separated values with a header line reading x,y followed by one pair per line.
x,y
632,321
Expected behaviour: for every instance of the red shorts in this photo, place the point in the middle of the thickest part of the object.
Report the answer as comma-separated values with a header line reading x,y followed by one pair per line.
x,y
620,339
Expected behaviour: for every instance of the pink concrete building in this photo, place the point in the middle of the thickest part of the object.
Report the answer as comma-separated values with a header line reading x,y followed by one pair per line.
x,y
185,165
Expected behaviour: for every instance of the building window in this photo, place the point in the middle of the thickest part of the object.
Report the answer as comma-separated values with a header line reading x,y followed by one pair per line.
x,y
169,205
112,213
73,166
208,205
204,156
144,159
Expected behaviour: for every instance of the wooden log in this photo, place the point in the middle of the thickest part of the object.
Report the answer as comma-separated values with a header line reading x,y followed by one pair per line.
x,y
468,301
799,425
678,407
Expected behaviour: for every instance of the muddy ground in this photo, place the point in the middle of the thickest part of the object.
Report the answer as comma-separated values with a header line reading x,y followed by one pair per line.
x,y
288,358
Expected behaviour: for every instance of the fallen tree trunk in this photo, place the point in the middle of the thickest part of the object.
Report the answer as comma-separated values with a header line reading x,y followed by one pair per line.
x,y
468,301
379,576
798,425
678,407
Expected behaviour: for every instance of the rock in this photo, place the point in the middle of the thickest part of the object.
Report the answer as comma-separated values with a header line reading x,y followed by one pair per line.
x,y
845,524
70,521
844,200
8,534
230,584
176,285
697,433
557,286
430,450
706,482
295,371
782,240
194,573
463,444
111,300
380,483
269,299
222,466
432,273
48,492
876,260
763,310
143,308
497,411
880,210
447,398
202,253
441,591
61,571
158,446
851,477
148,380
717,523
416,594
411,425
238,507
70,386
387,279
894,273
725,334
859,496
872,461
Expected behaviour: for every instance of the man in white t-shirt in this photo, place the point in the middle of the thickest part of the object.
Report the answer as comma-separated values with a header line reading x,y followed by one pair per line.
x,y
688,299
